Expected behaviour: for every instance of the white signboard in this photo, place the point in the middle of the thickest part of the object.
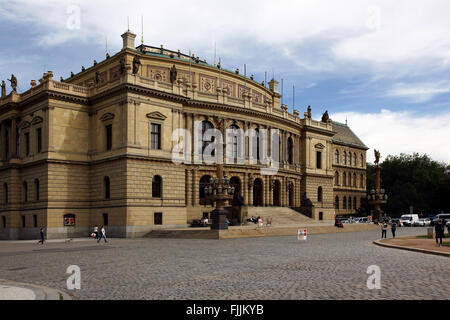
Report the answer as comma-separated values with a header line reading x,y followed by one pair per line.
x,y
302,234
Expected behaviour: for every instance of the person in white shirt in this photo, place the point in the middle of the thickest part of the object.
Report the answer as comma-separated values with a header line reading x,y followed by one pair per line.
x,y
102,235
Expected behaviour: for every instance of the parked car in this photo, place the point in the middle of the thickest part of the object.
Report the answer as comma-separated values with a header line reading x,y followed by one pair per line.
x,y
422,222
408,219
443,216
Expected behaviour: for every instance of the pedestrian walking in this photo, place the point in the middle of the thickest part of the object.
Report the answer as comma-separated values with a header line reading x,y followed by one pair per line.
x,y
102,235
393,229
439,229
96,232
383,230
41,232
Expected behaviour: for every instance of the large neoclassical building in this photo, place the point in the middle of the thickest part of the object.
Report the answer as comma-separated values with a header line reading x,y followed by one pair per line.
x,y
96,148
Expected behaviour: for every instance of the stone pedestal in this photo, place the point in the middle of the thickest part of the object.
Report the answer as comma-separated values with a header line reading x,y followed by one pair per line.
x,y
219,220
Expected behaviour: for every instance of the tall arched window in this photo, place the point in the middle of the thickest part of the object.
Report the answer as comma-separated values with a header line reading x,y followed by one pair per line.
x,y
206,125
336,202
344,157
336,156
349,179
107,187
344,203
234,141
25,191
349,202
336,178
361,161
361,182
204,181
156,187
344,179
354,180
349,162
354,203
290,151
354,159
319,194
36,189
5,193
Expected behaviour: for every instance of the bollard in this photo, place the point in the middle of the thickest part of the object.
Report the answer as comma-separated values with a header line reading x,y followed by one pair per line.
x,y
430,233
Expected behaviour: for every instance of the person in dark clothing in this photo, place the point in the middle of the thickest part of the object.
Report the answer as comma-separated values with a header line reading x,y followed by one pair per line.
x,y
42,236
393,228
439,229
383,230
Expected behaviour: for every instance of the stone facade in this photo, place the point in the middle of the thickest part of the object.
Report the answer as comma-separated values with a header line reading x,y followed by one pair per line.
x,y
83,148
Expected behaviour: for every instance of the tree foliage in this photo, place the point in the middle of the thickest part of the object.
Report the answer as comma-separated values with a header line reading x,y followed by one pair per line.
x,y
413,180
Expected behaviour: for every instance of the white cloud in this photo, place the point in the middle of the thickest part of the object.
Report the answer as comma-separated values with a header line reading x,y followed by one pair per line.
x,y
378,34
401,132
421,92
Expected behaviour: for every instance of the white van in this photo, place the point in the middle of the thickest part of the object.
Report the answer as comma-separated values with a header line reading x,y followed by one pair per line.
x,y
409,219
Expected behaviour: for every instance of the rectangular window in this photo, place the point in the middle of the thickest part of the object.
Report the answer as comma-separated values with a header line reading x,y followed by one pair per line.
x,y
105,219
39,139
158,218
109,137
27,144
35,222
155,136
23,221
319,159
320,215
4,221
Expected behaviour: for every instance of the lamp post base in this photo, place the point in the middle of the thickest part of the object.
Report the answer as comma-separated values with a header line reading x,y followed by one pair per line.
x,y
219,220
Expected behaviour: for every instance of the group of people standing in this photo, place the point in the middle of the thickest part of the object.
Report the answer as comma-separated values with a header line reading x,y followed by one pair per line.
x,y
384,227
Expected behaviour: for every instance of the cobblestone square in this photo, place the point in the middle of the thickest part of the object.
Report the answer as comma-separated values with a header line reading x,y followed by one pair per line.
x,y
326,266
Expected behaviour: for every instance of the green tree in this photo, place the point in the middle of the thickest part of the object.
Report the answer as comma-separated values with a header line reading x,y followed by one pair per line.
x,y
413,180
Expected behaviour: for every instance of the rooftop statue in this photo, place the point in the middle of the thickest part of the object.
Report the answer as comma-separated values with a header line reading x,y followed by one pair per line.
x,y
325,116
136,64
309,112
3,88
13,81
173,74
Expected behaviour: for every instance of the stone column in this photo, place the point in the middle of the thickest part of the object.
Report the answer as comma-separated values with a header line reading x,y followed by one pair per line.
x,y
250,195
244,188
188,188
195,187
13,137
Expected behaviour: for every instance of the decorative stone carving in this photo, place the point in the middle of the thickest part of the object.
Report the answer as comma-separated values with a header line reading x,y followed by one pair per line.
x,y
107,116
158,73
207,84
156,115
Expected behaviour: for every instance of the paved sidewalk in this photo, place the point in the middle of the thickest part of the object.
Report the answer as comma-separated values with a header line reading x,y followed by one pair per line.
x,y
416,244
10,290
68,240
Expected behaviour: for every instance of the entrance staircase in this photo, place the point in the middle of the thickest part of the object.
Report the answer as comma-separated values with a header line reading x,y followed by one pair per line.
x,y
279,215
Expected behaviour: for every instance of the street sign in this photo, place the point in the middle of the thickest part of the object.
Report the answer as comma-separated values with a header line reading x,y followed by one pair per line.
x,y
302,234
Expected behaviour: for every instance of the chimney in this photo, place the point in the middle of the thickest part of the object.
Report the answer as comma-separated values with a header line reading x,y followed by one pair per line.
x,y
128,40
273,86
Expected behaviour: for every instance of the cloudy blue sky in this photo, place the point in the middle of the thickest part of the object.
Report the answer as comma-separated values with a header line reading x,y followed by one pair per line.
x,y
381,65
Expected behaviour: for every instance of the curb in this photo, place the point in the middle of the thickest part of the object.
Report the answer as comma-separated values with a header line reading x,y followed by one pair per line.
x,y
437,253
40,292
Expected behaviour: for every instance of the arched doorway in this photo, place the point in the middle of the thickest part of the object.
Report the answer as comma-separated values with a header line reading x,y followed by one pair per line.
x,y
277,193
291,194
258,193
236,183
203,182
